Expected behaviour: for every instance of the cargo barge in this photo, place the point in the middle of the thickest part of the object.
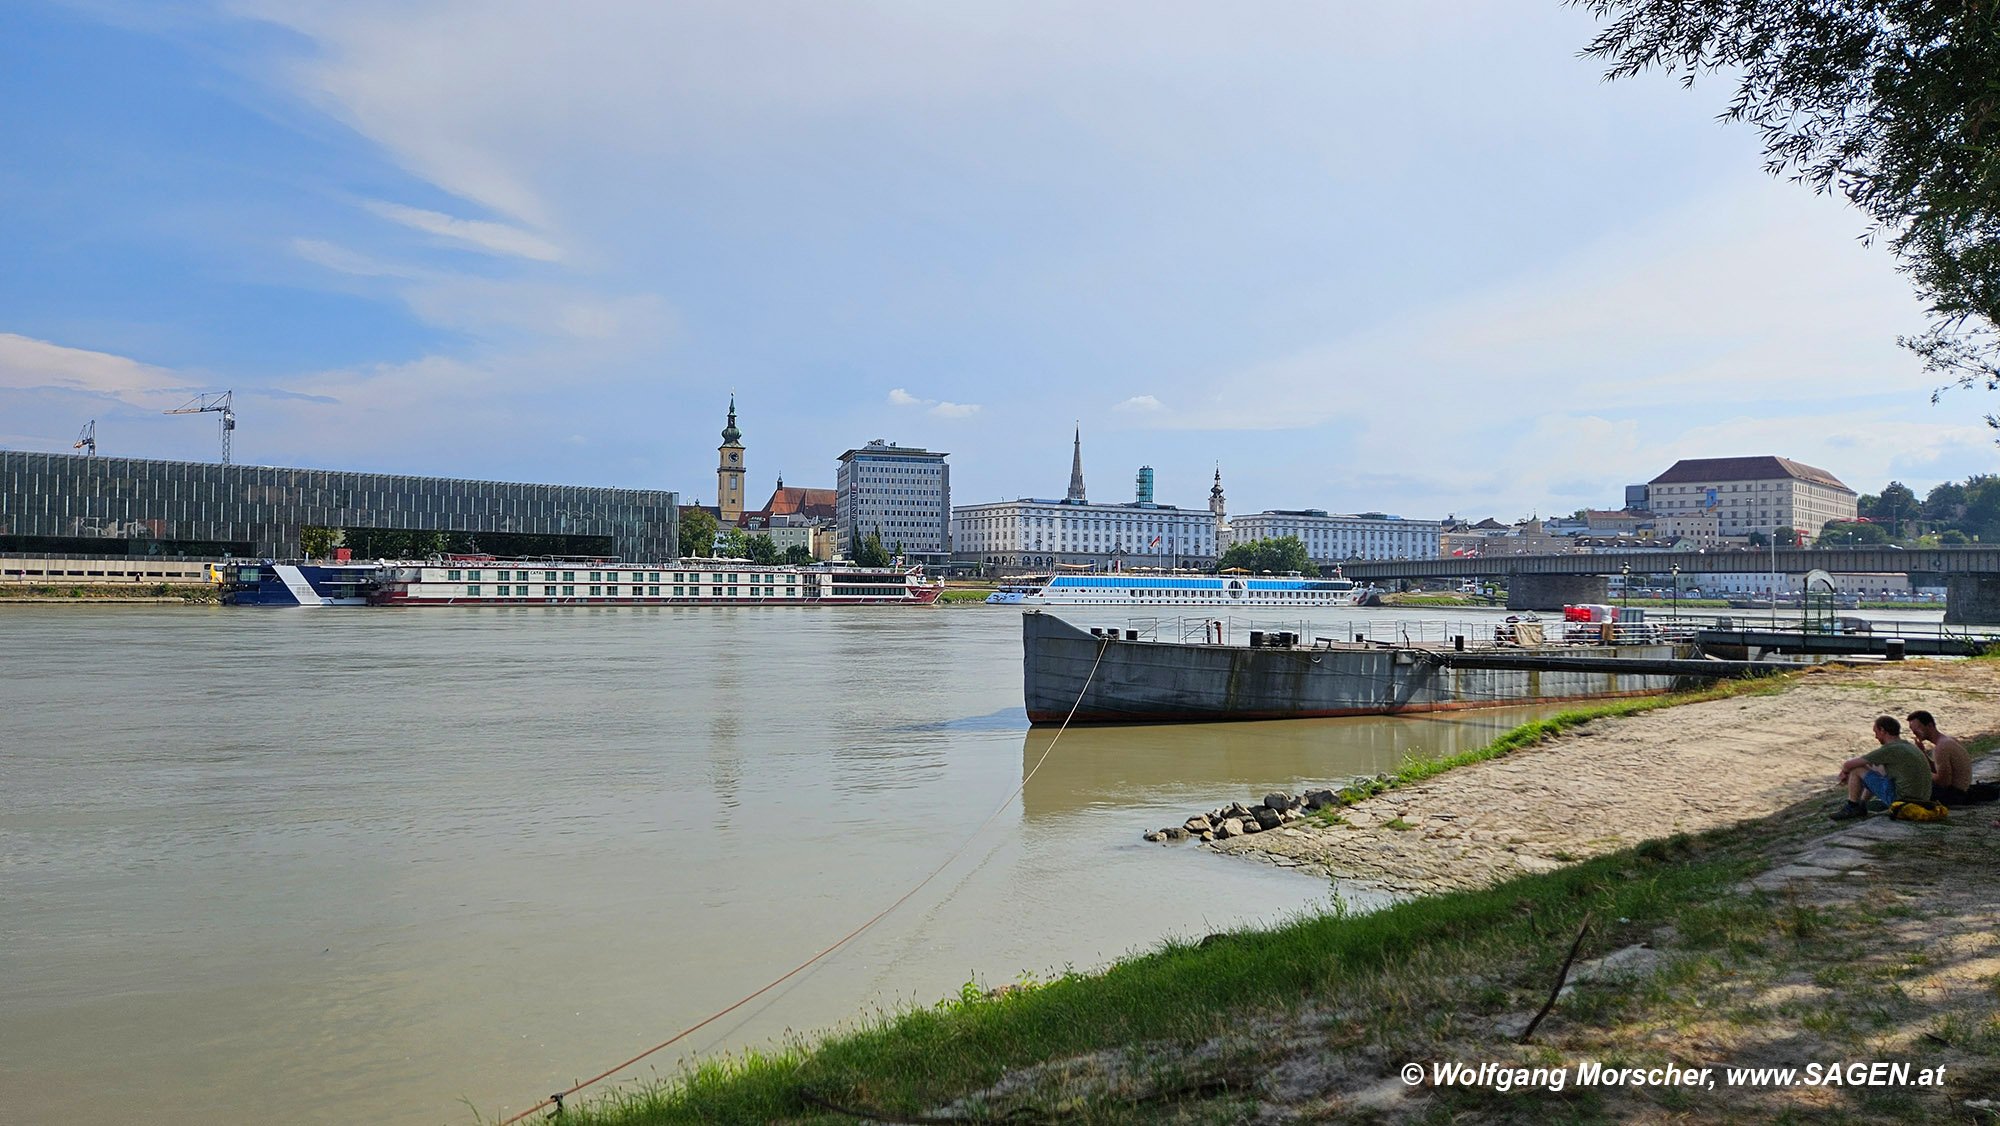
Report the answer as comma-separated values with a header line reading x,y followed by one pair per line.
x,y
1121,679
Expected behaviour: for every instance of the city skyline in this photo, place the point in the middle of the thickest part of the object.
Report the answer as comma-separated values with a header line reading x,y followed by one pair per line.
x,y
1372,260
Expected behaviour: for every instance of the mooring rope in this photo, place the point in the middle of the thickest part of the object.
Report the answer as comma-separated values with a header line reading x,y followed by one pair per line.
x,y
556,1100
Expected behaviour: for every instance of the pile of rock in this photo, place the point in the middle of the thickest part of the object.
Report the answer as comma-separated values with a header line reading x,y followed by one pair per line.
x,y
1237,820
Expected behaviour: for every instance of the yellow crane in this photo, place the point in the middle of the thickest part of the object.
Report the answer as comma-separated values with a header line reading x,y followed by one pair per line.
x,y
221,402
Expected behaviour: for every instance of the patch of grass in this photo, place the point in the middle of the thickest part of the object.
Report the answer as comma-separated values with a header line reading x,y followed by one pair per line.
x,y
955,596
1398,824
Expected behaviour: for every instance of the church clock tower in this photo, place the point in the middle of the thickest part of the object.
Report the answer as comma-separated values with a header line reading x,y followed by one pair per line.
x,y
729,470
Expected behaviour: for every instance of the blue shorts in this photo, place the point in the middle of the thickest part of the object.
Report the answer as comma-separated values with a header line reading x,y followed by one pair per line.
x,y
1879,784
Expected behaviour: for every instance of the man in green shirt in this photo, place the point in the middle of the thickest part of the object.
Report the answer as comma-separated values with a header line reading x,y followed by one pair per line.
x,y
1894,771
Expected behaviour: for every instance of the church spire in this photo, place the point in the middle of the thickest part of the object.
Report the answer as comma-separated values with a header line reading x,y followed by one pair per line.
x,y
1076,470
731,435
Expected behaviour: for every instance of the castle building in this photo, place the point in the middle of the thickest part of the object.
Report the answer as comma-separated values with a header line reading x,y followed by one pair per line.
x,y
1751,494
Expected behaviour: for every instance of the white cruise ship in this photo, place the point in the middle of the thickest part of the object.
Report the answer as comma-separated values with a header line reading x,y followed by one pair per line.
x,y
1180,590
486,581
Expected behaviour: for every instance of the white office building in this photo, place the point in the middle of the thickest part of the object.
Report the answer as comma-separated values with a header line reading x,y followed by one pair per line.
x,y
1042,534
899,492
1332,539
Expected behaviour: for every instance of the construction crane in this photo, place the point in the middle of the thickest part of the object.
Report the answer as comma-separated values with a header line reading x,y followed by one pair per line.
x,y
87,439
219,402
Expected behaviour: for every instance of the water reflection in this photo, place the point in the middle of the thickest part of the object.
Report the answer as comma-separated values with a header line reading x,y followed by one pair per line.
x,y
1094,766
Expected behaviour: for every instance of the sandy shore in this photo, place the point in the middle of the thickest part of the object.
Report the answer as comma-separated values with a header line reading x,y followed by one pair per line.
x,y
1617,782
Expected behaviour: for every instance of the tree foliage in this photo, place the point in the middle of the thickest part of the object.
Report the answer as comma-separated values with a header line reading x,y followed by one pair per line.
x,y
698,528
1894,104
1954,512
760,549
797,555
870,552
1277,556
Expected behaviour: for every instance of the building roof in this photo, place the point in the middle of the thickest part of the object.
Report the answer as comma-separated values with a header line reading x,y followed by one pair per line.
x,y
1706,470
811,504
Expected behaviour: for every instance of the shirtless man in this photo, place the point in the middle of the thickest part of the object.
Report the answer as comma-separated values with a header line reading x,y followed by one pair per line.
x,y
1951,767
1894,771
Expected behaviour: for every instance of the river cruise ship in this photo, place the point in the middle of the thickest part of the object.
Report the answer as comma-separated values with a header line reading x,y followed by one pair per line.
x,y
686,582
1290,591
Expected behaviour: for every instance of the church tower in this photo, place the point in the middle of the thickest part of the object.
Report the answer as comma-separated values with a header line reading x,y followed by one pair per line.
x,y
1220,509
1076,470
729,471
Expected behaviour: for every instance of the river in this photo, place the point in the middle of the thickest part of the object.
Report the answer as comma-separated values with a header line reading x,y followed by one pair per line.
x,y
401,865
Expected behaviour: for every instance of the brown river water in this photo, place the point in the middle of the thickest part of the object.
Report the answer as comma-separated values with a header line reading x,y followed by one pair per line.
x,y
417,866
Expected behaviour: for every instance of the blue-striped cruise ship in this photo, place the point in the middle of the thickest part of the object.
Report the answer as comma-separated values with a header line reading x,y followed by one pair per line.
x,y
1179,590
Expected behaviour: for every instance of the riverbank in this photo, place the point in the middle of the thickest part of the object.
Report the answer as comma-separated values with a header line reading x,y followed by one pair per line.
x,y
1769,937
1607,786
148,593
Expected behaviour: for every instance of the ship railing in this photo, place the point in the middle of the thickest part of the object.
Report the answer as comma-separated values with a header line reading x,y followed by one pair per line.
x,y
1440,633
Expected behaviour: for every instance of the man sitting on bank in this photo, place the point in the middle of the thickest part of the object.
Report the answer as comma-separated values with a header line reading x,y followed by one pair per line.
x,y
1894,771
1951,766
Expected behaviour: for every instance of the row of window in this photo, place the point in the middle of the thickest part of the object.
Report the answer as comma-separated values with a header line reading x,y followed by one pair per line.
x,y
473,575
515,590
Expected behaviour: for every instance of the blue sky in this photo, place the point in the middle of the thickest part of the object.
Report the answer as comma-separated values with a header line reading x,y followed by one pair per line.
x,y
1412,257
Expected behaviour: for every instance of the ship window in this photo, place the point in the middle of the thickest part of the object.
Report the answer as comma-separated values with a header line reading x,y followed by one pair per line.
x,y
569,576
680,592
732,592
611,590
521,576
549,576
549,591
715,591
653,592
569,591
451,576
472,589
597,590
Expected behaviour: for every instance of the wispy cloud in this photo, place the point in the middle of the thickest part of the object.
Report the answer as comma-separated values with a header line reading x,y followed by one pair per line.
x,y
476,234
937,408
1140,404
30,364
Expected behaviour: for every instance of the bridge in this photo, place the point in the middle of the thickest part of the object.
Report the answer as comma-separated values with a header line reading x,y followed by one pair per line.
x,y
1970,575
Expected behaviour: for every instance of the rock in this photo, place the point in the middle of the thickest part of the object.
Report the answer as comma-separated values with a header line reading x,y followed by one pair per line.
x,y
1206,834
1156,835
1252,826
1198,824
1267,818
1230,827
1316,799
1174,834
1291,815
1236,809
1278,799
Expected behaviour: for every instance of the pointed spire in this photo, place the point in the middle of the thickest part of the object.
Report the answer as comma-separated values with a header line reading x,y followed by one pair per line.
x,y
730,434
1076,469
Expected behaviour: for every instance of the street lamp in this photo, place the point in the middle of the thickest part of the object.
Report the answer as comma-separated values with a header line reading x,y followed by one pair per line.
x,y
1624,589
1677,592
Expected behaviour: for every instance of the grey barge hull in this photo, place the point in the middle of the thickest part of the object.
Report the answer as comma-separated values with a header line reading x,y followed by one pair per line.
x,y
1175,682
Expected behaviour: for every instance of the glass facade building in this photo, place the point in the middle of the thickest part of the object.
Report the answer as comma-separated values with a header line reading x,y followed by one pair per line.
x,y
137,506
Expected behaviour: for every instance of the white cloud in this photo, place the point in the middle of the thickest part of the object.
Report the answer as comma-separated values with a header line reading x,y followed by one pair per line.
x,y
479,234
28,364
1140,404
937,408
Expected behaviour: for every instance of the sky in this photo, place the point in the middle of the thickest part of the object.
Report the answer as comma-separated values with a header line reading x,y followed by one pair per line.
x,y
1410,257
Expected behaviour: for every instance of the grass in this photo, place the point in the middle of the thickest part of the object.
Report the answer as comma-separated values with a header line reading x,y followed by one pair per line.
x,y
963,595
109,592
